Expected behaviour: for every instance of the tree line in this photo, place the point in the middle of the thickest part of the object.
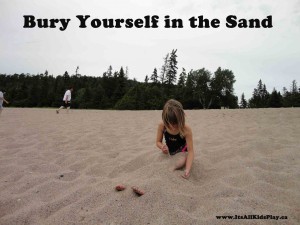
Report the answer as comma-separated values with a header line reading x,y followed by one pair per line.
x,y
196,89
261,98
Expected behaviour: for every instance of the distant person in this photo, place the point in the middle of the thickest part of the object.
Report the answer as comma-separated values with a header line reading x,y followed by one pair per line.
x,y
66,100
178,136
2,99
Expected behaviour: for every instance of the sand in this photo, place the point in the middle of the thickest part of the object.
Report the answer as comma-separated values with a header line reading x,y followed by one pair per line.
x,y
63,168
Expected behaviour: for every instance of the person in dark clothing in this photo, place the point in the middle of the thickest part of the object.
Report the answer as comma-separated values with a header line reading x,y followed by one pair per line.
x,y
177,134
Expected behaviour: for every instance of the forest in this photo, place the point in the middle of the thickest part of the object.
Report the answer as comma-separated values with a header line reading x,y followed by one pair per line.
x,y
196,89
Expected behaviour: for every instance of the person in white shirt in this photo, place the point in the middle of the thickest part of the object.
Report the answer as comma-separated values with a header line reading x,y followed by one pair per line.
x,y
66,101
2,99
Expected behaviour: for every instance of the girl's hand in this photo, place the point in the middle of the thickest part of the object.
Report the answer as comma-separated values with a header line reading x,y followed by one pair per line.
x,y
165,149
186,174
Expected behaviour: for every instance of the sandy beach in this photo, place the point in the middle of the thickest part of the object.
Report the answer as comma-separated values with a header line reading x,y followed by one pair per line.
x,y
61,169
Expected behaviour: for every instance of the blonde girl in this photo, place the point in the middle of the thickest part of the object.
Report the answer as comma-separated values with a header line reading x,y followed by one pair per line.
x,y
178,136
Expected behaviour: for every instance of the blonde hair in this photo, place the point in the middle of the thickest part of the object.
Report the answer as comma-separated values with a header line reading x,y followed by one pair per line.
x,y
173,114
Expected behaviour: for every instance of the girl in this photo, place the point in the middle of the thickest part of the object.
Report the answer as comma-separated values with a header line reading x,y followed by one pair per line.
x,y
178,136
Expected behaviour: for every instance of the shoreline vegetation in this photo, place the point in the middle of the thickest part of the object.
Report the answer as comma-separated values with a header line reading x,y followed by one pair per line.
x,y
120,93
196,89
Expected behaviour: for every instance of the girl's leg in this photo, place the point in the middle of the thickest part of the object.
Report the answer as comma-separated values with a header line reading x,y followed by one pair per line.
x,y
57,111
180,160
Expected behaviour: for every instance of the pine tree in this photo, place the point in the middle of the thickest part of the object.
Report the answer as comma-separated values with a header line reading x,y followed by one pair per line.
x,y
127,72
260,88
164,69
294,88
66,78
284,91
294,97
243,103
154,76
182,78
119,85
275,100
172,68
121,73
260,96
265,96
109,71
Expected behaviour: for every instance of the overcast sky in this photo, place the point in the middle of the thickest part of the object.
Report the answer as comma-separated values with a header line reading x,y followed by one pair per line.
x,y
270,54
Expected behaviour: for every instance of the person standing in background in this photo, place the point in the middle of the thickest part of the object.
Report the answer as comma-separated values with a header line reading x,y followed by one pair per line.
x,y
66,100
2,99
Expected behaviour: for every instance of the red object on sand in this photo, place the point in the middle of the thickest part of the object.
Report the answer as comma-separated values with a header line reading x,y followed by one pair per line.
x,y
137,191
120,187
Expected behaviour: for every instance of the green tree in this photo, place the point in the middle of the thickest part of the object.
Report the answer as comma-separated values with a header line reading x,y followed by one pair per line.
x,y
154,76
291,98
294,88
146,79
201,82
172,68
243,103
222,88
120,85
133,99
260,96
182,78
164,69
275,100
189,98
110,71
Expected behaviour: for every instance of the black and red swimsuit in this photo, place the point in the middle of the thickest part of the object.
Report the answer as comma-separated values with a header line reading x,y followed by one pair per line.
x,y
175,143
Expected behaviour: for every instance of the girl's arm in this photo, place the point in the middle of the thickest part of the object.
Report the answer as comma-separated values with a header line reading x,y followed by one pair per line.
x,y
190,147
159,138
